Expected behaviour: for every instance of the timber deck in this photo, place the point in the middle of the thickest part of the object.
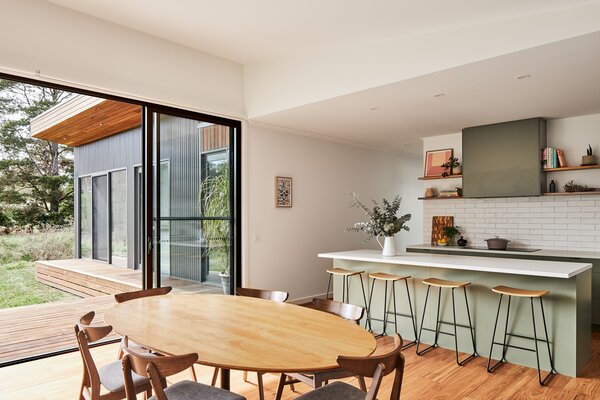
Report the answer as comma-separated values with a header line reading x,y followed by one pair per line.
x,y
38,329
90,278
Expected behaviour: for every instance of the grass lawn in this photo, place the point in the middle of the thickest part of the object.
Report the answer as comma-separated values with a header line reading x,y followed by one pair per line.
x,y
18,252
18,286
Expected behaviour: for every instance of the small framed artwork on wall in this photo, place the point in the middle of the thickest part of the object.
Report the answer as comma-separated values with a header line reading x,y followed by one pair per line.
x,y
283,191
434,160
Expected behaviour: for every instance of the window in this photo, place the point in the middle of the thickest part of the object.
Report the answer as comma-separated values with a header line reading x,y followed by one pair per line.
x,y
118,217
85,222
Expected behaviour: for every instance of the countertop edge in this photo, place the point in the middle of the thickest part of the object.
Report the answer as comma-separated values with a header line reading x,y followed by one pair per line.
x,y
401,259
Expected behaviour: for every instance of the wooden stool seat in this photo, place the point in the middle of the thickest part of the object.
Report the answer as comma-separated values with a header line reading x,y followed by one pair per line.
x,y
444,283
509,291
388,277
343,272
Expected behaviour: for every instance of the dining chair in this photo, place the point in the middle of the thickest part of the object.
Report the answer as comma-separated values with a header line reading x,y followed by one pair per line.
x,y
350,312
375,367
275,295
88,319
108,377
138,294
158,368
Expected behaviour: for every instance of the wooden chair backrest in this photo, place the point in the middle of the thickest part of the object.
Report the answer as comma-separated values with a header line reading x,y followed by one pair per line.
x,y
157,368
274,295
377,367
351,312
87,319
87,335
138,294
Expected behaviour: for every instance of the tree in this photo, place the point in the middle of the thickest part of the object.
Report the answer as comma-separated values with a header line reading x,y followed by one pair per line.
x,y
36,176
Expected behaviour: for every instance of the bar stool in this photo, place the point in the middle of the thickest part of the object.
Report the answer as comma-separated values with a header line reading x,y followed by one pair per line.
x,y
346,274
440,283
510,292
382,276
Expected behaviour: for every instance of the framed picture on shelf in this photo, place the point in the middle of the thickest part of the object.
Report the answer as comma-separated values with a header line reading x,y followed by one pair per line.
x,y
283,191
434,160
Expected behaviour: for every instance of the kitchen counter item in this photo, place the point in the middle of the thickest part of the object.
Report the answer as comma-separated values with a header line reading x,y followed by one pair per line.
x,y
497,243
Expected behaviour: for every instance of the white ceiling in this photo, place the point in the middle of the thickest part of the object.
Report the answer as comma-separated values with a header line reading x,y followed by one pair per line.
x,y
565,81
565,75
259,30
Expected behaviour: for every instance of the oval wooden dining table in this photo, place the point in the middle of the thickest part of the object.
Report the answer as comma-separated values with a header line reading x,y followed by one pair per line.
x,y
242,333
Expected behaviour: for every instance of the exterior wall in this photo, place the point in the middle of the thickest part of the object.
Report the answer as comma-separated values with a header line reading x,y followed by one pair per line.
x,y
116,152
182,141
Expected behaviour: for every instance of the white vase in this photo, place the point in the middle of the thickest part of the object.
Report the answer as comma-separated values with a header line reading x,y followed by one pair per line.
x,y
389,247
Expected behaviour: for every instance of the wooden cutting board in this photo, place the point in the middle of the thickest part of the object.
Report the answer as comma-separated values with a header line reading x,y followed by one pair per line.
x,y
437,227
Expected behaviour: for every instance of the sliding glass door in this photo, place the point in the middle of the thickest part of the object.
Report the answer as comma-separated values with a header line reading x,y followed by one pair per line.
x,y
194,224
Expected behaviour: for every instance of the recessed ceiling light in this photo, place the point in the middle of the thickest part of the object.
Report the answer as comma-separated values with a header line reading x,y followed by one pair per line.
x,y
373,108
101,124
526,76
439,95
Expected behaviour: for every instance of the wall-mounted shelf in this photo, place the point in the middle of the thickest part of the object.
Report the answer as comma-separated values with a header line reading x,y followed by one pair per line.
x,y
596,192
573,168
440,198
427,178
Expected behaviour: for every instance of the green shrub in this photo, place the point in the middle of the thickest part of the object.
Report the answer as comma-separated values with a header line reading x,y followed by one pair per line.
x,y
42,244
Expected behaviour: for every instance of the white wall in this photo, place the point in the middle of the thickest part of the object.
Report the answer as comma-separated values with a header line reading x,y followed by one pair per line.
x,y
565,222
78,50
283,243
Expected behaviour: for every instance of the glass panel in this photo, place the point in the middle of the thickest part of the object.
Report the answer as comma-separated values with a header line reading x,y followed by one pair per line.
x,y
165,225
100,217
195,216
118,217
138,217
85,218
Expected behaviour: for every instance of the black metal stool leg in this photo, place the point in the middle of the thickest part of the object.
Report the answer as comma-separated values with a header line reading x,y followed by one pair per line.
x,y
343,288
367,306
412,317
370,299
490,369
473,355
394,302
437,324
328,285
537,357
472,331
423,323
552,370
385,311
437,318
504,346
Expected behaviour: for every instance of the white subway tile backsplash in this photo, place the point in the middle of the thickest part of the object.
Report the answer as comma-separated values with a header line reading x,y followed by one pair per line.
x,y
546,222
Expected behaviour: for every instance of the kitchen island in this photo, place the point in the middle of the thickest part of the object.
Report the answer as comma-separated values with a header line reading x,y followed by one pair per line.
x,y
567,307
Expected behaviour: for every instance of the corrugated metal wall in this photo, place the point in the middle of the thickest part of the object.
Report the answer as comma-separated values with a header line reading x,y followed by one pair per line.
x,y
180,147
119,151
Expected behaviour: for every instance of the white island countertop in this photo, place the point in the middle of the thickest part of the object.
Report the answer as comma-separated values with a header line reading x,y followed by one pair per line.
x,y
549,269
537,253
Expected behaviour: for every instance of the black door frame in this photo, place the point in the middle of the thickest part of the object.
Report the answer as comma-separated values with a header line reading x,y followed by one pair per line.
x,y
151,132
147,149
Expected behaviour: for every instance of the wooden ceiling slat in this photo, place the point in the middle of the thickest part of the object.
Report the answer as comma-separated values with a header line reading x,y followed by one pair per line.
x,y
98,122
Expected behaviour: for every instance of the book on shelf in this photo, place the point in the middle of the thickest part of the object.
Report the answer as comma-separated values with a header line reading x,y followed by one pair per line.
x,y
449,193
562,161
553,158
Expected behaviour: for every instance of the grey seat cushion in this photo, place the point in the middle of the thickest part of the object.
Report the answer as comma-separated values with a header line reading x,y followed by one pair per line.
x,y
188,390
334,391
111,377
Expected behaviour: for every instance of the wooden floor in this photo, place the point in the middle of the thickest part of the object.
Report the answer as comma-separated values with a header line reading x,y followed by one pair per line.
x,y
43,328
432,376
